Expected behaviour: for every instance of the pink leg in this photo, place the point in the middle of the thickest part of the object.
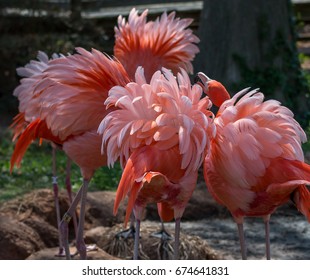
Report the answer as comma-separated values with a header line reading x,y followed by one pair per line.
x,y
267,236
80,244
56,199
65,221
177,238
242,241
69,191
137,237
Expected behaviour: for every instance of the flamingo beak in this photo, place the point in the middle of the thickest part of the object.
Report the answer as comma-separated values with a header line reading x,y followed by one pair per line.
x,y
202,80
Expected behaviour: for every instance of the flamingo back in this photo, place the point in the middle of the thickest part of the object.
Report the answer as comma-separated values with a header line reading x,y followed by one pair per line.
x,y
32,74
166,42
74,89
160,132
252,136
166,112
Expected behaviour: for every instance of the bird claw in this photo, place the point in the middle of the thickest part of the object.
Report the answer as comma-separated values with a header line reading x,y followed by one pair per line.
x,y
162,234
126,234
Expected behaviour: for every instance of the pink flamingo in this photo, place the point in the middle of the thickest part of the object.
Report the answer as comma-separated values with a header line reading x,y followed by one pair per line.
x,y
160,133
70,103
167,40
256,162
32,74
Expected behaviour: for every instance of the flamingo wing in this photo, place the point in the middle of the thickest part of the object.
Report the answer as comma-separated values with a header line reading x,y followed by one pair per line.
x,y
166,42
74,89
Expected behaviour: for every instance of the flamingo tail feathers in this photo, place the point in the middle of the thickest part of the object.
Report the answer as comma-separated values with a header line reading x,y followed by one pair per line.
x,y
23,142
123,187
18,125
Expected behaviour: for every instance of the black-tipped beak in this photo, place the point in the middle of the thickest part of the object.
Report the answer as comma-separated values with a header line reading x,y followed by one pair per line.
x,y
202,78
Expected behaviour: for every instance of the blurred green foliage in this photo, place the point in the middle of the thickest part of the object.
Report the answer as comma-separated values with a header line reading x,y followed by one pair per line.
x,y
36,171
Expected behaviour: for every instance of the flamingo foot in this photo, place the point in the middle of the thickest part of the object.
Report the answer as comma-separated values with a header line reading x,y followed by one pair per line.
x,y
126,234
162,234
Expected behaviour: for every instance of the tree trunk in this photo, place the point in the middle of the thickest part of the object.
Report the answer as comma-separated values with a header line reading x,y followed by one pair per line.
x,y
252,43
76,10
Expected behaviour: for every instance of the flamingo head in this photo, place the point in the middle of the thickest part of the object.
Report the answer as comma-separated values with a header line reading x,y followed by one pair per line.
x,y
214,89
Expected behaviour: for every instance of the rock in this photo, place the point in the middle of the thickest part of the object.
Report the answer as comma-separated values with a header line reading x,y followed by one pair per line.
x,y
17,240
50,254
37,210
94,234
48,233
99,209
36,203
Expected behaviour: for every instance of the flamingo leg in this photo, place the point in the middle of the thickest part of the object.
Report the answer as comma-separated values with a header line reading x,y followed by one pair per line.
x,y
242,240
56,200
137,237
127,233
267,236
80,244
69,191
65,221
177,238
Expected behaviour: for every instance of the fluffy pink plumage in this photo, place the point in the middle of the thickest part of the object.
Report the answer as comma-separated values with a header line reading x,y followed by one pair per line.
x,y
166,42
253,137
32,73
164,117
74,89
256,162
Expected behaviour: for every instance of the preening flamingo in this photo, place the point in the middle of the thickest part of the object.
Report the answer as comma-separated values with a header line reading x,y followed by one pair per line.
x,y
256,162
166,42
73,90
160,132
32,74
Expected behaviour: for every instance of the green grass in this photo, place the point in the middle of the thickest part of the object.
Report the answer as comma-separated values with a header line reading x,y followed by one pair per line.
x,y
36,171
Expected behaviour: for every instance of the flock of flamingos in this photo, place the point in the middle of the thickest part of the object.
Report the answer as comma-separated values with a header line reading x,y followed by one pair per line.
x,y
140,107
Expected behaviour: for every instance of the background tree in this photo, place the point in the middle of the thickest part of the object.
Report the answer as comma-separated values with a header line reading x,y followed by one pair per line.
x,y
252,43
76,10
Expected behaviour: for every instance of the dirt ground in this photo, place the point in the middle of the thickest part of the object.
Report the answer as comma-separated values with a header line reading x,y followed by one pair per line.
x,y
289,237
28,227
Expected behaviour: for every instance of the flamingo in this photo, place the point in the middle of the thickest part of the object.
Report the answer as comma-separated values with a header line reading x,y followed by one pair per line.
x,y
32,73
70,99
160,134
167,40
256,162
